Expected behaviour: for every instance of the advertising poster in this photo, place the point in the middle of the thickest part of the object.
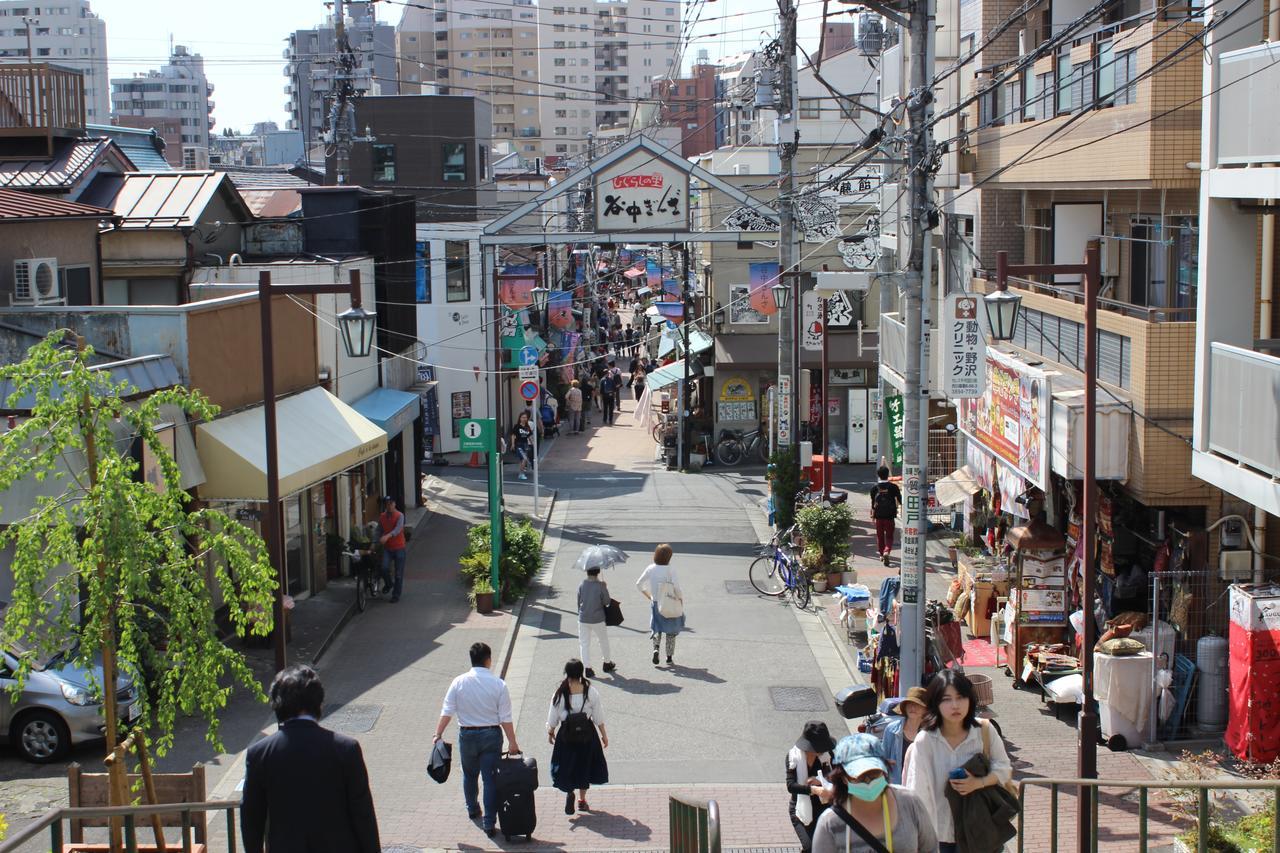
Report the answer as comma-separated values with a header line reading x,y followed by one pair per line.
x,y
516,291
741,310
762,277
671,289
560,309
653,275
460,406
1010,419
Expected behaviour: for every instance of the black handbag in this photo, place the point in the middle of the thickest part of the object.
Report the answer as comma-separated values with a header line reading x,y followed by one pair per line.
x,y
613,613
440,761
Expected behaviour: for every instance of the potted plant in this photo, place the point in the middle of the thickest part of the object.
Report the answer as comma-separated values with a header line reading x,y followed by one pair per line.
x,y
826,531
482,591
819,580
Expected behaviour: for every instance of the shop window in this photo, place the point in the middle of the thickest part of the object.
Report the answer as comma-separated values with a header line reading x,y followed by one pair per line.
x,y
457,272
384,163
453,162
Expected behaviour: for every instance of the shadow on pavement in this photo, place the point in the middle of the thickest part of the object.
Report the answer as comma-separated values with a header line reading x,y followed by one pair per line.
x,y
611,825
639,685
696,674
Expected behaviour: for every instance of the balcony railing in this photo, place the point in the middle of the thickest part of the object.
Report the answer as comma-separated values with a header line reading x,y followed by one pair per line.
x,y
37,99
1244,407
1075,295
1248,88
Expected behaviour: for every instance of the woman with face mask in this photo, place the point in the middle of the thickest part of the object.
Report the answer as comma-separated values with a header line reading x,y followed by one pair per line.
x,y
868,815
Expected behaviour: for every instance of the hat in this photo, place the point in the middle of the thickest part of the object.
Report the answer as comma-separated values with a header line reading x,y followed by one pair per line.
x,y
917,695
860,753
815,737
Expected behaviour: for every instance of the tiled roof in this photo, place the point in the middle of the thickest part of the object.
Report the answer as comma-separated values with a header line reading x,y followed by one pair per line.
x,y
139,144
70,162
263,177
16,206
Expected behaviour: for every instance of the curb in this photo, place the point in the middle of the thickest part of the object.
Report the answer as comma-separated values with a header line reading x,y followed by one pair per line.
x,y
517,613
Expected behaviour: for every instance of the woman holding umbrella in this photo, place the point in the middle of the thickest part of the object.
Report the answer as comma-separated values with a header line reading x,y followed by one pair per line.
x,y
593,600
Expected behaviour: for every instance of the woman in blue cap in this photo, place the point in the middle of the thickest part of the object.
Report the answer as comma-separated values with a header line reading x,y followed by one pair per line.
x,y
867,814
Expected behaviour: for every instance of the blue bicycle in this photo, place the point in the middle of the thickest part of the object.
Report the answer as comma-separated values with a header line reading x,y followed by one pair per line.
x,y
777,570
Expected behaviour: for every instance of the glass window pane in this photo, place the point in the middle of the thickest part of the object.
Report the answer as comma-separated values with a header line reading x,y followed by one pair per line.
x,y
457,272
454,161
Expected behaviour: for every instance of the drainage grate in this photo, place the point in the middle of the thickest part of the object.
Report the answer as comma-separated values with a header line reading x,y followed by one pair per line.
x,y
353,719
798,699
739,588
401,848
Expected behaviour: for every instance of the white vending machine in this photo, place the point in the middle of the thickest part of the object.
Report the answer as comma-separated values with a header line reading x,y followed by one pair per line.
x,y
864,425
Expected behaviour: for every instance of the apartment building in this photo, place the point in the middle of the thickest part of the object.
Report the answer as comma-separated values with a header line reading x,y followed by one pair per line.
x,y
64,32
177,90
694,105
311,63
736,85
1237,357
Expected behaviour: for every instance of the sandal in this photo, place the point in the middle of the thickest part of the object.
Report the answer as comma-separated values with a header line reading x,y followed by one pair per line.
x,y
582,806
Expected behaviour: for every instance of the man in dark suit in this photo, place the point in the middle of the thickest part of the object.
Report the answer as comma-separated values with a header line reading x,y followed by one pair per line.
x,y
306,789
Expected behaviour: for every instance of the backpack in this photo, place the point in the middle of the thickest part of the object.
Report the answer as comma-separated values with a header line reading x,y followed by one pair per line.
x,y
884,505
577,725
607,385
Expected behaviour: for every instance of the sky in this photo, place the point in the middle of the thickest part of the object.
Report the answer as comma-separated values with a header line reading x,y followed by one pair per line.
x,y
242,42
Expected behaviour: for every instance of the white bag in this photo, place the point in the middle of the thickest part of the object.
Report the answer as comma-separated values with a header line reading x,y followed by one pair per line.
x,y
670,604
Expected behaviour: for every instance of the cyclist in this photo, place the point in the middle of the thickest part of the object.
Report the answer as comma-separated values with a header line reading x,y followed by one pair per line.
x,y
886,498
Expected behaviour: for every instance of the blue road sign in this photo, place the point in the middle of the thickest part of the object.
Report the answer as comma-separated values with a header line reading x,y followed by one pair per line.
x,y
528,356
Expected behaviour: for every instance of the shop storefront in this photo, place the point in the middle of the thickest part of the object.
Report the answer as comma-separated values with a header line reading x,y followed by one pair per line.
x,y
397,413
331,474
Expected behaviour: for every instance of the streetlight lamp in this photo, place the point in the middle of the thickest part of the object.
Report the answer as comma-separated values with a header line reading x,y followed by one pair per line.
x,y
356,326
781,295
1002,305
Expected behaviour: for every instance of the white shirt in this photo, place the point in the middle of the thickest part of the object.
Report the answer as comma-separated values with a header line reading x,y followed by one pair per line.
x,y
478,698
595,708
654,577
930,760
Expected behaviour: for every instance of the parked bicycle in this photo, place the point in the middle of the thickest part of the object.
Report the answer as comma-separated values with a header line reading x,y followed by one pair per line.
x,y
777,571
364,567
735,445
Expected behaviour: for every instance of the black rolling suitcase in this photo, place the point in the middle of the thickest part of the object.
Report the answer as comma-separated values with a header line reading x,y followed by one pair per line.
x,y
516,778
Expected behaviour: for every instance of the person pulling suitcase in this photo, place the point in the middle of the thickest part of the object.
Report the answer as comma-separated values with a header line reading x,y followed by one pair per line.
x,y
481,702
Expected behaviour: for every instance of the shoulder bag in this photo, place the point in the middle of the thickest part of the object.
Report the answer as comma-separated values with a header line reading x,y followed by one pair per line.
x,y
986,753
670,605
865,834
613,613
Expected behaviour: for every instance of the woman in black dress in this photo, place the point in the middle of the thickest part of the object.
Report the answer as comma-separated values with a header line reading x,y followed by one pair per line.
x,y
577,759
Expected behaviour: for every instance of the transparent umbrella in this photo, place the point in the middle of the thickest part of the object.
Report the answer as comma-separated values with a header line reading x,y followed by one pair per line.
x,y
599,557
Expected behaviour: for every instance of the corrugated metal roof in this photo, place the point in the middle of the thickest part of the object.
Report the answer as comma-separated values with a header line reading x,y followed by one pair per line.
x,y
158,199
263,177
145,373
16,206
72,160
273,204
144,147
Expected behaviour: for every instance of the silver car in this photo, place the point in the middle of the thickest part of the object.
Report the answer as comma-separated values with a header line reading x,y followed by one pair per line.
x,y
57,707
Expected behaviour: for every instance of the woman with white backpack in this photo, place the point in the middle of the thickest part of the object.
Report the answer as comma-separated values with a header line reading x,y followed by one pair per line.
x,y
666,612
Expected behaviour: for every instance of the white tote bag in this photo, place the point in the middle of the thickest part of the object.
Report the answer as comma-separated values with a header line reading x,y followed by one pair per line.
x,y
670,605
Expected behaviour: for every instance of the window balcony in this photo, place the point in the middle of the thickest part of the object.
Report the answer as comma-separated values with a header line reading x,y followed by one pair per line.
x,y
1248,89
1244,407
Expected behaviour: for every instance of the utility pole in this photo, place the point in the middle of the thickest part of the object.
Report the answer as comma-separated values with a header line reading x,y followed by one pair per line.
x,y
915,444
339,123
788,243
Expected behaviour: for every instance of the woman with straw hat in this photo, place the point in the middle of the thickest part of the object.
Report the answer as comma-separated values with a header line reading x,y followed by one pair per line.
x,y
905,722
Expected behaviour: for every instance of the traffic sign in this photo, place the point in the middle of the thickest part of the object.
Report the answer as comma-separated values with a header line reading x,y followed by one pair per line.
x,y
528,356
529,390
529,371
477,435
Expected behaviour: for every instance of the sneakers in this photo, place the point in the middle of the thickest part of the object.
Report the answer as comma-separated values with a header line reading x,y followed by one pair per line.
x,y
670,662
885,558
655,657
609,666
591,673
523,476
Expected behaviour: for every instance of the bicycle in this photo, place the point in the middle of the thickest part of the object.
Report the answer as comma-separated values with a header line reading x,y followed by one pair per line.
x,y
777,570
735,445
366,575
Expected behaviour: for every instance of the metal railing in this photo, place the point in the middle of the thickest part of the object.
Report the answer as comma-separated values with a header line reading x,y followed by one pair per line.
x,y
1150,314
1244,406
1202,789
53,823
694,827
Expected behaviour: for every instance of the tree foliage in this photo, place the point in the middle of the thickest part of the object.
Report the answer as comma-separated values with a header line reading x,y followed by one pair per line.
x,y
115,567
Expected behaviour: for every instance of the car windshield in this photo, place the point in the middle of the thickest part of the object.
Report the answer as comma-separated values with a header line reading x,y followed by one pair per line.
x,y
39,660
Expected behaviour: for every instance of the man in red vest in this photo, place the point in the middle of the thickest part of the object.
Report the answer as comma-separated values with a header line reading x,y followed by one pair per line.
x,y
391,524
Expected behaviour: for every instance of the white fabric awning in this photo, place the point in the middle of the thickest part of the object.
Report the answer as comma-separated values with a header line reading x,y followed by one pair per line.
x,y
318,435
1066,432
956,486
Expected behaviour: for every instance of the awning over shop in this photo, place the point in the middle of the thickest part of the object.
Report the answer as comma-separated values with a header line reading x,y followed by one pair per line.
x,y
633,273
1066,431
319,436
390,409
699,341
956,486
664,376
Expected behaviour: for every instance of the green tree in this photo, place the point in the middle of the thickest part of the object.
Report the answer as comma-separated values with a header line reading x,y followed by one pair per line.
x,y
115,566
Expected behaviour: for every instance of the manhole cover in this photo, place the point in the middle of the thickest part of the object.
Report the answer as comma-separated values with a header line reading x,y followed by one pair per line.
x,y
797,699
353,719
401,848
739,588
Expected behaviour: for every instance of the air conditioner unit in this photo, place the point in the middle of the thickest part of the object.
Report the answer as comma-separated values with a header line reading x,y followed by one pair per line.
x,y
742,168
1235,565
35,281
1110,255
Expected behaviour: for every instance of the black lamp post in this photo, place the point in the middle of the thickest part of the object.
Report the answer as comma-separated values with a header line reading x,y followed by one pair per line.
x,y
1001,304
356,326
540,297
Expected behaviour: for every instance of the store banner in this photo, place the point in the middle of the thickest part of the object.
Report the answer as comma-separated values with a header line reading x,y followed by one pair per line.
x,y
653,275
811,321
1011,418
516,291
763,276
560,309
895,411
964,349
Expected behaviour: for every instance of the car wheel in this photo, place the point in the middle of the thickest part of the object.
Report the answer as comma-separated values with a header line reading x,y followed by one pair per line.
x,y
41,736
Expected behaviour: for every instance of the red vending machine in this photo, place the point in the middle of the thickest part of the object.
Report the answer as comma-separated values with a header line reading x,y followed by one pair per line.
x,y
1253,730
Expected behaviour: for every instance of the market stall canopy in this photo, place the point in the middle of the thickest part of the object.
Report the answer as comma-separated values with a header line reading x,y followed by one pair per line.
x,y
956,486
390,409
1066,431
319,436
664,376
699,341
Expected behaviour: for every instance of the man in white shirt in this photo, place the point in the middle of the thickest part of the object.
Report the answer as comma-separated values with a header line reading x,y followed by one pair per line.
x,y
482,704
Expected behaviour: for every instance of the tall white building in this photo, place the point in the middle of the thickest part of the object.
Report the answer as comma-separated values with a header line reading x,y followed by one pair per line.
x,y
64,32
178,90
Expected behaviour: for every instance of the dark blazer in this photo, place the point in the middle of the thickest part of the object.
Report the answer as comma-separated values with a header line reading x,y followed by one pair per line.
x,y
306,790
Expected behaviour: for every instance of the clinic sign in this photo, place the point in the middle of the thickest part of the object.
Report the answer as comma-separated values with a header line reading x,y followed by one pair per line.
x,y
642,193
963,348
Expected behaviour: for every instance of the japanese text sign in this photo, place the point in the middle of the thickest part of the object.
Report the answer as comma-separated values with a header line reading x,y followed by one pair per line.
x,y
1011,418
642,193
894,410
963,348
